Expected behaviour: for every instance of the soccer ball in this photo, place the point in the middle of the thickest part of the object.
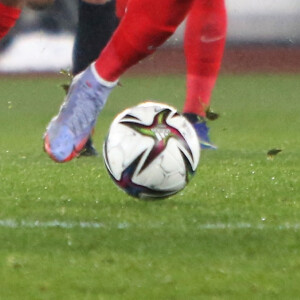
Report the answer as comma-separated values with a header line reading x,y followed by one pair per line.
x,y
151,151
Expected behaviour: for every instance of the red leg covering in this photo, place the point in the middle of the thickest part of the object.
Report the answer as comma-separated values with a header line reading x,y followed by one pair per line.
x,y
145,26
204,46
8,17
121,8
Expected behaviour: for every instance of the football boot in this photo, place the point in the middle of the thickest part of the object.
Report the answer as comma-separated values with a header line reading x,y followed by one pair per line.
x,y
201,129
69,131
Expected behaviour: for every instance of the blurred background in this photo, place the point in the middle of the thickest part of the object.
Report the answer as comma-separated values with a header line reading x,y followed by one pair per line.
x,y
262,35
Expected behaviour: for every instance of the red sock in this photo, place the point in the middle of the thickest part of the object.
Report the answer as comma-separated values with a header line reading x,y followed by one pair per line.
x,y
145,26
204,45
8,17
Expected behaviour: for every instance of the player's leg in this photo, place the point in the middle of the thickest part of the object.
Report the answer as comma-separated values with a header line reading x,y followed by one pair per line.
x,y
10,11
96,23
144,27
204,45
121,8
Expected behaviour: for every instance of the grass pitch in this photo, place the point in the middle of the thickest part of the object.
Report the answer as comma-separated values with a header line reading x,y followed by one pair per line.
x,y
66,232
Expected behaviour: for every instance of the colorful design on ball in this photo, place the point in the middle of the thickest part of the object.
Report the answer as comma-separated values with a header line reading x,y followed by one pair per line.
x,y
159,130
137,190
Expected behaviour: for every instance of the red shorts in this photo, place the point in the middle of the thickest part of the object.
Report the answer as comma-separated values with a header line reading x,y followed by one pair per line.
x,y
120,7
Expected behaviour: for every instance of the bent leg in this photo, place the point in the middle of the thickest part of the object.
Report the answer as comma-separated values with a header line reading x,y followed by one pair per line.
x,y
145,26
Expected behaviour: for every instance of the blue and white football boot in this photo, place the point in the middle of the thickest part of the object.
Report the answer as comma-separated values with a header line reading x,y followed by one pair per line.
x,y
68,132
202,130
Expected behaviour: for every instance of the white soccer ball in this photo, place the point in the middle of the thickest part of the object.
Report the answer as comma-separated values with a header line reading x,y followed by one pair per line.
x,y
151,150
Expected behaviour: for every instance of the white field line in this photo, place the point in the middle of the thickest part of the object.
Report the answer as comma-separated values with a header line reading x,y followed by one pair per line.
x,y
10,223
19,224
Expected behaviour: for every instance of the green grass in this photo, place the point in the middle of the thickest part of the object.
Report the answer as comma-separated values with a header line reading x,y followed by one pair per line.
x,y
233,233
